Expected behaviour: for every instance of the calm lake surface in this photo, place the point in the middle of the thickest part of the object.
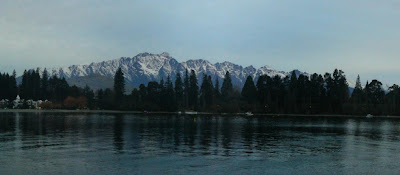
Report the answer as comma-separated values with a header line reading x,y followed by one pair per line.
x,y
62,143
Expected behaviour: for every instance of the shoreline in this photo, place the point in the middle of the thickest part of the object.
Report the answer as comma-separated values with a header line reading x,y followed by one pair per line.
x,y
187,113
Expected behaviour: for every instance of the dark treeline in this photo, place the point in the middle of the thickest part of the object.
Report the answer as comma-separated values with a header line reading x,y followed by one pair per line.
x,y
8,86
297,94
42,87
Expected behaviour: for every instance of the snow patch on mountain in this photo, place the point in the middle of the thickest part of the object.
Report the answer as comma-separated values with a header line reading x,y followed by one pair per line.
x,y
146,67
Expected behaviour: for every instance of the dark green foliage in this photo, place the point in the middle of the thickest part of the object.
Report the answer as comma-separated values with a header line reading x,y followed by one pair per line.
x,y
206,92
168,96
392,100
193,91
106,99
374,92
187,89
119,86
8,86
249,91
179,91
227,87
89,94
57,89
314,94
357,95
44,85
217,91
30,87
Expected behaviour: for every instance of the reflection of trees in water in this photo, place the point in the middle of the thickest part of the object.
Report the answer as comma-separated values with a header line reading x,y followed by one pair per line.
x,y
374,129
118,130
57,129
394,130
7,127
220,135
7,122
177,132
189,132
215,135
227,130
248,134
30,124
206,126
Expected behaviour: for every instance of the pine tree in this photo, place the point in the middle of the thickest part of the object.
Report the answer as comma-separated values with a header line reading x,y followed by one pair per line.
x,y
44,85
170,95
89,94
293,93
357,94
179,91
227,87
193,90
25,86
35,84
206,92
340,93
262,89
119,86
187,88
13,89
249,91
217,92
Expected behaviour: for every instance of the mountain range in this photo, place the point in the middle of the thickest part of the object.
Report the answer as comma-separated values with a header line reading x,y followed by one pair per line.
x,y
146,67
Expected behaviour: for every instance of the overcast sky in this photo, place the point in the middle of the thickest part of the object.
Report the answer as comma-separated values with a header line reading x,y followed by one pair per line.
x,y
358,36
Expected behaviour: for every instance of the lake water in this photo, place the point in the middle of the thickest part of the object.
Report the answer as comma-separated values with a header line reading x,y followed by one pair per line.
x,y
62,143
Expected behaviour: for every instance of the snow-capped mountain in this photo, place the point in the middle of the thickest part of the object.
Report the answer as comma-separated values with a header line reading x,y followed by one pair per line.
x,y
146,67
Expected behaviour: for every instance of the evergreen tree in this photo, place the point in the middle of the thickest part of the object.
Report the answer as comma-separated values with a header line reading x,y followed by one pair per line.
x,y
170,95
187,88
35,84
119,86
249,91
153,93
13,89
206,92
179,91
217,92
193,90
277,94
293,93
330,92
317,93
340,91
44,85
24,90
210,91
57,89
357,95
374,92
89,95
262,90
302,94
393,99
227,87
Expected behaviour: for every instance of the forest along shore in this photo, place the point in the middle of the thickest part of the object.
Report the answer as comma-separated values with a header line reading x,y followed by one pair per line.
x,y
188,113
315,94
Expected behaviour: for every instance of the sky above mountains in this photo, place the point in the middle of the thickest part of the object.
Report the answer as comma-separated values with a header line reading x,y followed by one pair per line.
x,y
358,36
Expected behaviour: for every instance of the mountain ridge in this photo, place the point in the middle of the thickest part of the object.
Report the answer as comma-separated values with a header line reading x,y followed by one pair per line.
x,y
145,67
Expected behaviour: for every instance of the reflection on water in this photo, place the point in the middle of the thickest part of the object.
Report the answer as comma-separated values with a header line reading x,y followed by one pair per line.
x,y
50,143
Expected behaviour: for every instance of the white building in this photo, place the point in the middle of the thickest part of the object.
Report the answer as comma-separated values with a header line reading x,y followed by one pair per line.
x,y
18,102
